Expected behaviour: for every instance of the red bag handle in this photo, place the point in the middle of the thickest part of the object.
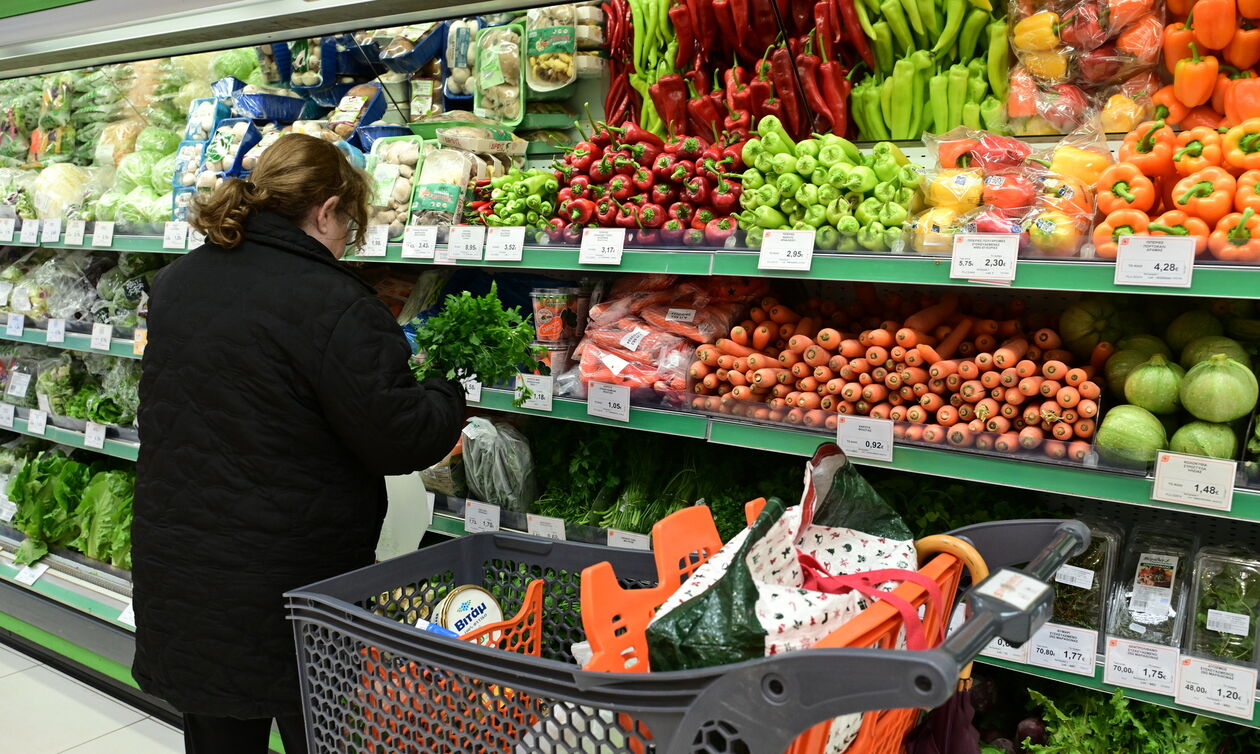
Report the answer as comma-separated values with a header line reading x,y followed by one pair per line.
x,y
817,579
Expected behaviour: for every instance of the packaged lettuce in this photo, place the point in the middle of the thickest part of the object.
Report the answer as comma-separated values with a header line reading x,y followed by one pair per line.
x,y
134,170
1226,605
157,140
1150,603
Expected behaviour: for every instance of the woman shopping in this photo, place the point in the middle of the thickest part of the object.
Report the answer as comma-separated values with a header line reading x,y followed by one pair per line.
x,y
275,397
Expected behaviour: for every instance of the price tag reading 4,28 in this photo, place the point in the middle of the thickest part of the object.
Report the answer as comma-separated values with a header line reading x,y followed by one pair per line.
x,y
786,250
602,246
1162,261
1194,480
864,437
608,401
985,257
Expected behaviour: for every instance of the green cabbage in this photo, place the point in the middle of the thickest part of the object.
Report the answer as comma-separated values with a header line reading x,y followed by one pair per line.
x,y
162,174
136,206
240,63
158,140
135,170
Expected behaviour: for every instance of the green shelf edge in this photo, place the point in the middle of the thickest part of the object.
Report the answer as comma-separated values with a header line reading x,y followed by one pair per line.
x,y
78,601
566,258
116,448
644,419
74,342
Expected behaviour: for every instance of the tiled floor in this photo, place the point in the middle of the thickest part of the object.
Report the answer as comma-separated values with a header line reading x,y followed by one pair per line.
x,y
45,712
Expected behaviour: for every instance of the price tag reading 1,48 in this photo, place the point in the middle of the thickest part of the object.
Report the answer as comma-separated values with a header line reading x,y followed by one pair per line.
x,y
987,257
602,246
1216,687
608,401
864,437
786,250
1194,480
1162,261
505,244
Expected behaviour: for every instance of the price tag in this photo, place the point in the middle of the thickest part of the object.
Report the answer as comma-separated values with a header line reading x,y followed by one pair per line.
x,y
7,227
128,615
14,325
472,389
50,230
1194,480
864,437
786,250
37,422
139,341
102,336
94,435
1216,687
629,540
985,257
480,516
466,242
30,232
375,239
608,401
1081,578
681,315
195,239
55,331
76,230
602,246
31,573
7,413
505,244
8,508
5,290
1138,665
419,241
19,383
175,235
1162,261
1004,650
544,526
541,387
44,405
1014,588
1066,648
103,233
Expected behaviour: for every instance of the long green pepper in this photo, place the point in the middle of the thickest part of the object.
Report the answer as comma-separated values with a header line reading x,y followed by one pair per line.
x,y
999,60
902,107
958,76
883,45
972,27
896,18
939,97
954,12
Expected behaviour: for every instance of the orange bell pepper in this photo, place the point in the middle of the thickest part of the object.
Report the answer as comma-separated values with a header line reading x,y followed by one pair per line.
x,y
1122,222
1121,13
1167,107
1215,23
1207,194
1242,100
1195,78
1021,98
1141,40
1150,148
1241,145
1122,186
1237,237
1246,8
1201,116
1197,148
1066,193
1243,50
1182,8
1177,39
1178,223
1247,195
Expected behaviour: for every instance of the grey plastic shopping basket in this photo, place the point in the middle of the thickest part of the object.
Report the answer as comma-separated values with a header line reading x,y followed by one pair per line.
x,y
374,684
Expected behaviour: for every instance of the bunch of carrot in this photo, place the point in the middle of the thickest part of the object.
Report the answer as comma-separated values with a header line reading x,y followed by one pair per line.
x,y
944,376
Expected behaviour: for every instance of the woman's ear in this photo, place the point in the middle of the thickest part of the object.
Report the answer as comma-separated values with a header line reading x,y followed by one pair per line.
x,y
326,219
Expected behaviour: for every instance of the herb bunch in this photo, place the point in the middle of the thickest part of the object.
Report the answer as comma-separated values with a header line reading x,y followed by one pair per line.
x,y
1232,588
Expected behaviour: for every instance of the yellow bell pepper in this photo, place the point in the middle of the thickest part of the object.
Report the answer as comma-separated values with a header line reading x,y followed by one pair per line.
x,y
1053,233
1084,164
933,231
1051,65
1034,126
958,189
1037,33
1122,113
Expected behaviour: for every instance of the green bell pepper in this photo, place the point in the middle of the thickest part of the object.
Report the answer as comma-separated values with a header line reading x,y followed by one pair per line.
x,y
753,179
749,200
807,148
816,215
762,217
789,205
763,162
768,195
993,113
885,167
827,237
971,116
783,163
828,193
752,239
848,149
907,177
861,179
868,211
517,218
892,215
848,226
838,173
776,143
976,89
806,165
807,195
797,219
891,150
838,210
871,237
788,184
886,191
818,177
892,236
752,148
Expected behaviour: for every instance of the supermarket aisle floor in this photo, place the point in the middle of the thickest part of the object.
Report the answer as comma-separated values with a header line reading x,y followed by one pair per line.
x,y
43,711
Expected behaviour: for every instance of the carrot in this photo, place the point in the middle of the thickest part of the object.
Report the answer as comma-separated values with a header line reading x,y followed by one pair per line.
x,y
991,379
800,369
834,386
1055,449
814,418
898,413
778,414
712,403
780,314
846,407
780,391
1009,328
934,433
916,391
1034,353
761,337
967,348
1032,414
881,338
1050,388
879,374
698,370
740,336
914,432
943,368
860,365
862,407
1062,431
947,415
914,375
1014,396
1090,390
950,343
968,370
975,425
1007,442
697,403
881,411
1010,353
761,414
808,400
1057,354
796,416
966,412
852,349
1026,368
1087,408
788,358
985,342
1008,377
711,381
1084,428
954,382
786,330
894,380
830,422
823,374
986,408
1078,450
936,386
851,391
708,355
837,362
758,315
1010,411
1102,352
816,355
828,338
1031,437
998,424
916,414
799,343
1031,386
928,318
847,372
726,361
897,354
971,391
877,355
741,364
1047,339
1069,415
874,393
984,361
743,393
932,402
736,378
1068,396
726,345
808,383
914,357
984,440
828,403
959,436
1050,411
808,326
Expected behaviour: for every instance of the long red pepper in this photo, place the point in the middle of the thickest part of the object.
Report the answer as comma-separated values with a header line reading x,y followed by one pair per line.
x,y
832,82
703,116
725,18
669,94
686,36
740,13
737,94
802,16
807,68
707,30
784,76
822,26
853,29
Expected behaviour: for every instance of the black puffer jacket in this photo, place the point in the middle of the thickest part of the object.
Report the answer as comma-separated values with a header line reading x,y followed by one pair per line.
x,y
275,395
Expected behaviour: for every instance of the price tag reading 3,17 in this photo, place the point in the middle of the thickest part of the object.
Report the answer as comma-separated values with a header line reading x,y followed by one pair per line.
x,y
419,241
786,250
55,331
602,246
102,336
15,324
1216,687
466,241
985,257
480,516
1194,480
505,244
864,437
1138,665
608,401
37,422
1162,261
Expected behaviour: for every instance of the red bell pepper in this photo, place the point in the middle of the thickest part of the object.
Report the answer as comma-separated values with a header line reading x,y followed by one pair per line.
x,y
672,231
573,233
683,171
689,148
602,169
583,154
669,94
663,166
566,194
631,133
606,211
652,215
555,229
565,172
737,121
580,187
682,211
620,187
696,190
703,216
643,179
719,230
693,237
627,216
663,193
738,96
736,153
562,209
647,237
702,114
581,210
598,191
725,196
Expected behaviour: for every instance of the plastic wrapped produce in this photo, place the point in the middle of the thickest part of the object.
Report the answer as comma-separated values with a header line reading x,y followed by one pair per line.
x,y
498,464
1149,604
498,84
460,50
59,187
357,104
1082,585
438,198
17,196
394,164
1226,605
551,59
240,62
157,140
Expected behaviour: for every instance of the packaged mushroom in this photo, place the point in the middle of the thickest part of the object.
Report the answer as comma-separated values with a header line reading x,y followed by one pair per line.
x,y
202,115
407,39
230,139
250,160
316,128
551,48
308,61
438,198
188,159
268,67
497,89
426,98
460,35
393,166
357,103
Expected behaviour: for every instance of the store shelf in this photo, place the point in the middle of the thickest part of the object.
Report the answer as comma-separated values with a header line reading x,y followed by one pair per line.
x,y
95,589
566,258
129,451
644,419
448,518
73,342
142,244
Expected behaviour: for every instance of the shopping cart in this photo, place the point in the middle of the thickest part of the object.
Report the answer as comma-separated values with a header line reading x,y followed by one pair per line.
x,y
372,682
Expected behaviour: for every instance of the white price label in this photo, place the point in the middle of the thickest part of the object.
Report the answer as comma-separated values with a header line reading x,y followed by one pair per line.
x,y
544,526
30,232
615,363
1225,622
629,540
14,325
94,435
1162,261
1194,480
7,227
8,508
541,388
1081,578
479,516
786,250
128,615
419,241
42,400
505,244
1138,665
31,573
1004,650
19,383
681,315
195,239
103,233
608,401
139,341
986,257
375,241
1216,687
466,242
175,235
55,331
1066,648
7,413
602,246
102,336
76,231
633,338
472,389
864,437
50,230
6,289
1014,588
37,422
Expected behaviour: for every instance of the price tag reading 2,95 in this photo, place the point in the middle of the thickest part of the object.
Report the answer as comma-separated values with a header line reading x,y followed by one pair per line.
x,y
985,257
864,437
1162,261
602,246
786,250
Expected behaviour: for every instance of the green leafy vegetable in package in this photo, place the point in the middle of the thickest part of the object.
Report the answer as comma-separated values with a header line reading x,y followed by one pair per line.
x,y
158,140
104,518
240,63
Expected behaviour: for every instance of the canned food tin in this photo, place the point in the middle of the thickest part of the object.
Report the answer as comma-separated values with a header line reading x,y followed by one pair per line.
x,y
466,609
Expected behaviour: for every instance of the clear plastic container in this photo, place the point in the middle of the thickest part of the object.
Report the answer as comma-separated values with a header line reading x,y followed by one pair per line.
x,y
1226,602
1149,603
551,48
1081,586
498,81
438,198
394,165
